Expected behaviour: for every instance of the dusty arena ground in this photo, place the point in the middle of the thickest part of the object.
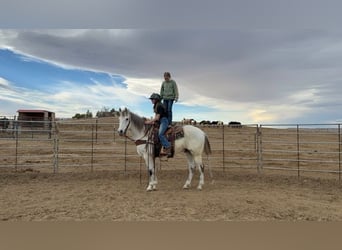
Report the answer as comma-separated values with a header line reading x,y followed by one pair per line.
x,y
232,195
104,180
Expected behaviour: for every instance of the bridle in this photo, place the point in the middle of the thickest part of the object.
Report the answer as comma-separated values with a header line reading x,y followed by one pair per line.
x,y
125,130
138,141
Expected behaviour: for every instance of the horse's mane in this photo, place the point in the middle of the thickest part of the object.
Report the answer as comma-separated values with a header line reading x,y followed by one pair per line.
x,y
139,122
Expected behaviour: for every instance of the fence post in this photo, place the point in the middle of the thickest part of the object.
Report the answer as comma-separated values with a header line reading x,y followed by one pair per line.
x,y
125,154
55,154
97,121
339,152
55,147
92,148
223,149
114,130
298,153
259,148
55,132
16,150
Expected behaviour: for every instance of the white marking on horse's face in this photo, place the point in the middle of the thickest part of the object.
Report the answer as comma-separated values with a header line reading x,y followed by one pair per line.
x,y
123,122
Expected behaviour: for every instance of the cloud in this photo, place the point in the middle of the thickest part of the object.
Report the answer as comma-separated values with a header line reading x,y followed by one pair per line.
x,y
252,74
153,14
4,83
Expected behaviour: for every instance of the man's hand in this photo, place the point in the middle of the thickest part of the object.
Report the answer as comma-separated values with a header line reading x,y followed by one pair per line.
x,y
149,122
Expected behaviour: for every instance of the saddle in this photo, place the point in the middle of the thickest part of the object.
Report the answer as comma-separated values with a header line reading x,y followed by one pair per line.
x,y
172,133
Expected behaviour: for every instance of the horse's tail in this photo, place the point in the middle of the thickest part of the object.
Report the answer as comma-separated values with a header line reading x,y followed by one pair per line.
x,y
207,150
207,147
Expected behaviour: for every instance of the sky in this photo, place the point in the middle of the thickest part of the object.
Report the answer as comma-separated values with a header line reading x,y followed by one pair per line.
x,y
249,73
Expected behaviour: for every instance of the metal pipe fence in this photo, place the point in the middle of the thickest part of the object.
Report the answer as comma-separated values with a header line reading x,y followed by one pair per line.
x,y
92,144
302,148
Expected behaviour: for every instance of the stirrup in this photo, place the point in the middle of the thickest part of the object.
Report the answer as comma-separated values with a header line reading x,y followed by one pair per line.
x,y
165,152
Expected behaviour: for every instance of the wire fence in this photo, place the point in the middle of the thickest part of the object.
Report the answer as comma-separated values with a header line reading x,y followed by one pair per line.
x,y
93,144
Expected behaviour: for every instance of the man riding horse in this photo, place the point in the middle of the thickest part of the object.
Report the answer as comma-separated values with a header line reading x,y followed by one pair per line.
x,y
160,118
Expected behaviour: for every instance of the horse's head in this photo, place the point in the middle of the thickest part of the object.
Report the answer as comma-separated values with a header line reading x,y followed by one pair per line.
x,y
124,121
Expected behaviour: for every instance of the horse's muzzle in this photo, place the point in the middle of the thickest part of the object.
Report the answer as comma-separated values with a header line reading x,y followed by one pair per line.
x,y
121,132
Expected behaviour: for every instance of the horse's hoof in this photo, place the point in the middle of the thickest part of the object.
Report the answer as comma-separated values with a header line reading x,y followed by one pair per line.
x,y
151,188
186,187
199,188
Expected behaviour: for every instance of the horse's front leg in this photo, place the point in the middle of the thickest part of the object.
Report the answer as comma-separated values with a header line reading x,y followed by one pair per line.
x,y
150,163
152,185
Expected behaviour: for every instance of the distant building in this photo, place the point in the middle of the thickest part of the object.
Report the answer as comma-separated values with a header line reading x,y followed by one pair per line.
x,y
35,118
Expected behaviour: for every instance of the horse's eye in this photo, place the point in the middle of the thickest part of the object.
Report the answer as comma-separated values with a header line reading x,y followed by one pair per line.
x,y
126,119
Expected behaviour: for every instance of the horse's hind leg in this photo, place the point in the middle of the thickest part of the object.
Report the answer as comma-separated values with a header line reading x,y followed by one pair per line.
x,y
199,164
191,167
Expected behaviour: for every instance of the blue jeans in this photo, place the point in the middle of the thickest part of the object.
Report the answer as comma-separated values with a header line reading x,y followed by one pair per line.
x,y
162,128
168,105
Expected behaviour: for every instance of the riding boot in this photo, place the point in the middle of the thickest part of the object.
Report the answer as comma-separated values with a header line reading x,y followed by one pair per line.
x,y
165,152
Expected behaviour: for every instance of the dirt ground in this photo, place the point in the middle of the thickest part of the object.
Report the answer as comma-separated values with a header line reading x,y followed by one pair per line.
x,y
75,193
232,195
